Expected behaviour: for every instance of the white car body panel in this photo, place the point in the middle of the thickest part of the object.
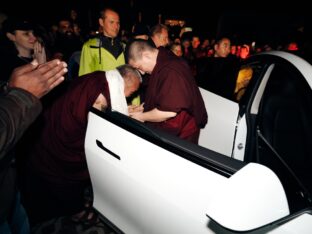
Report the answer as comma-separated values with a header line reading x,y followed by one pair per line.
x,y
240,211
218,133
154,198
154,206
303,66
240,139
260,90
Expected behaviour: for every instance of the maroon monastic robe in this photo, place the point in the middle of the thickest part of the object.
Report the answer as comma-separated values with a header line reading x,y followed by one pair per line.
x,y
172,87
59,156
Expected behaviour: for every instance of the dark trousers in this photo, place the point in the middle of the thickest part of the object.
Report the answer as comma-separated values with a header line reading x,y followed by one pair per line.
x,y
17,221
44,200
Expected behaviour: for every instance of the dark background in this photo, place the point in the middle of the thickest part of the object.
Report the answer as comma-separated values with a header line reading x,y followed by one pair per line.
x,y
244,21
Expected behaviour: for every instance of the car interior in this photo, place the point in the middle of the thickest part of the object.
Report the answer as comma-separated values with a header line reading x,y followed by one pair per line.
x,y
284,134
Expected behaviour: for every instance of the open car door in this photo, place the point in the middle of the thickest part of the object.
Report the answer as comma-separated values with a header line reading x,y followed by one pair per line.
x,y
146,181
219,132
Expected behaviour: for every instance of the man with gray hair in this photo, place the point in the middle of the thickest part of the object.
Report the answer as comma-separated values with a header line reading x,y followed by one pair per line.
x,y
159,35
57,173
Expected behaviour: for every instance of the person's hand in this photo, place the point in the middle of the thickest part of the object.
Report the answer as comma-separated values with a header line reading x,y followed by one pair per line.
x,y
39,53
135,108
137,115
38,79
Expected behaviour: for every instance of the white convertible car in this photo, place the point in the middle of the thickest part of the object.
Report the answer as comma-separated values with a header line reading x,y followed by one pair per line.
x,y
252,171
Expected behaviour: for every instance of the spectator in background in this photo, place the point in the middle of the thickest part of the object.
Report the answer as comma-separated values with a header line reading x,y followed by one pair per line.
x,y
19,107
187,48
222,48
176,48
106,51
233,50
218,74
204,47
244,52
195,45
19,46
159,36
66,41
140,31
3,17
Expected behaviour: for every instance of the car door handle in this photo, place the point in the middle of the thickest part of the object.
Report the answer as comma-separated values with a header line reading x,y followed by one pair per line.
x,y
99,144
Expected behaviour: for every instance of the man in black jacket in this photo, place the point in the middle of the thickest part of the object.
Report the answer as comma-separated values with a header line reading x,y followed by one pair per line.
x,y
19,107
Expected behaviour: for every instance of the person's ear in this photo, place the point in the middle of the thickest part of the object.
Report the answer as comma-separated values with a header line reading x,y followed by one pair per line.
x,y
215,47
146,55
101,22
10,36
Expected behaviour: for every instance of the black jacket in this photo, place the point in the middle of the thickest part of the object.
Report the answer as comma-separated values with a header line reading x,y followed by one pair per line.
x,y
9,58
18,109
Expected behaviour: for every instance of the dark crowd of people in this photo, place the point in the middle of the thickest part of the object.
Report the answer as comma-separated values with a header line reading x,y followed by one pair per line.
x,y
50,78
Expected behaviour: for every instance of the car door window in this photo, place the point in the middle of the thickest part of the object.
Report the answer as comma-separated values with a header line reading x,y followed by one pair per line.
x,y
218,75
248,78
242,81
285,132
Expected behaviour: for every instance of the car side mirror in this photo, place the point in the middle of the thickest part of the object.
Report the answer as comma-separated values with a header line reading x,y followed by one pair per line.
x,y
249,199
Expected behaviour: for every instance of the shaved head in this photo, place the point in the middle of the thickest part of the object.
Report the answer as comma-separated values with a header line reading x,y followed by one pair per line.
x,y
137,48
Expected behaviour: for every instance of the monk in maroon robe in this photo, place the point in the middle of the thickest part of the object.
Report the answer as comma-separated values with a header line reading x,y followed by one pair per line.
x,y
173,101
57,174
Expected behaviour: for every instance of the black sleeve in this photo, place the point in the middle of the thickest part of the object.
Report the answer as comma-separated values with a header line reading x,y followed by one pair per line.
x,y
18,109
